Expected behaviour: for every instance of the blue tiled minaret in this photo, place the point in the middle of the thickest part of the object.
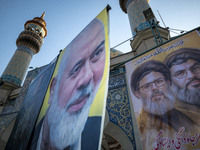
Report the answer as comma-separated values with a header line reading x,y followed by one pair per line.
x,y
28,43
134,9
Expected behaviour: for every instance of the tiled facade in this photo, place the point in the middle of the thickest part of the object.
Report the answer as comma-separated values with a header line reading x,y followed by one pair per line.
x,y
14,72
135,10
118,105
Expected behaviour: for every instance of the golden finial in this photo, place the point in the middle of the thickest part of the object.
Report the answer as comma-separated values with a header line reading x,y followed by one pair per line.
x,y
43,15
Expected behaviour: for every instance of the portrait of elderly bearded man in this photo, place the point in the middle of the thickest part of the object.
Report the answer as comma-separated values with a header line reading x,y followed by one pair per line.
x,y
73,89
184,65
151,83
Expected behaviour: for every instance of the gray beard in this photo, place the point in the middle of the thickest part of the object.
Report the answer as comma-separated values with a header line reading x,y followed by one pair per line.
x,y
66,128
161,107
191,96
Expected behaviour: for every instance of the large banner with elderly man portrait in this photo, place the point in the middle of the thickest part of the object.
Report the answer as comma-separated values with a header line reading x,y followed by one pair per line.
x,y
73,110
164,85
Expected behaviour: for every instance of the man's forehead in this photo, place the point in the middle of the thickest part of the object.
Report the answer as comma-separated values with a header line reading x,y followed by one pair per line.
x,y
153,75
87,36
86,41
187,63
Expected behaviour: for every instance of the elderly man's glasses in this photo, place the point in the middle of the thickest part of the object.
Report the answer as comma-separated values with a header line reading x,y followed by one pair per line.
x,y
195,69
148,86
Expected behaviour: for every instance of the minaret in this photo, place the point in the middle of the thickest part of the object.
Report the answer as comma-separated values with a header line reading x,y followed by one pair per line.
x,y
134,9
28,43
146,32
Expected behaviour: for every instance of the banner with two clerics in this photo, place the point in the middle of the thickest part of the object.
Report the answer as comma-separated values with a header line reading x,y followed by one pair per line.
x,y
164,86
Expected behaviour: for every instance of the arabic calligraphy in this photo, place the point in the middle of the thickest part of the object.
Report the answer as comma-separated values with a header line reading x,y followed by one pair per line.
x,y
180,139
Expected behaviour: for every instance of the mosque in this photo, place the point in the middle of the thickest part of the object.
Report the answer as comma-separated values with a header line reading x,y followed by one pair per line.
x,y
120,131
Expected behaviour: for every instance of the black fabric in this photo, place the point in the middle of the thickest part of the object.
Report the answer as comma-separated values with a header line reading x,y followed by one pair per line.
x,y
91,134
27,116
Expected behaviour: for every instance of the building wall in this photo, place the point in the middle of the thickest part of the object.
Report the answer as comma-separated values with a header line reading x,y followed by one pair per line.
x,y
120,125
9,111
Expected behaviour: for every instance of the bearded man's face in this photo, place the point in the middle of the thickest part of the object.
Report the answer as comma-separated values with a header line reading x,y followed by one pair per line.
x,y
76,84
155,93
186,81
66,128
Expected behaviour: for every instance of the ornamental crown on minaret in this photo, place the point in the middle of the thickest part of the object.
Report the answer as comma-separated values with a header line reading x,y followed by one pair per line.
x,y
38,25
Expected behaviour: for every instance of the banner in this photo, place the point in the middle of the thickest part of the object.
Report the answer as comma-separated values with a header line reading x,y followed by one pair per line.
x,y
72,114
164,86
27,116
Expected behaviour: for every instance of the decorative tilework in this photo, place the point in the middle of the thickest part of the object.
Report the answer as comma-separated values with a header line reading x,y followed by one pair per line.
x,y
118,106
17,67
115,82
135,10
11,79
142,26
25,50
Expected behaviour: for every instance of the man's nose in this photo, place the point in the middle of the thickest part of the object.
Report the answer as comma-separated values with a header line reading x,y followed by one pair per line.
x,y
87,75
190,75
154,87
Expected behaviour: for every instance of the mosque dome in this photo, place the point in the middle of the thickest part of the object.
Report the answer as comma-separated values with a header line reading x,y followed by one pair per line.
x,y
114,53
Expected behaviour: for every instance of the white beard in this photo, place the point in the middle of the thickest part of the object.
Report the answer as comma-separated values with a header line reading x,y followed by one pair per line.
x,y
66,128
161,107
191,96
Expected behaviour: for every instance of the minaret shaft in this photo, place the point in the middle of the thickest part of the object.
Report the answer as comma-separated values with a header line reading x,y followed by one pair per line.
x,y
17,67
28,43
135,10
145,29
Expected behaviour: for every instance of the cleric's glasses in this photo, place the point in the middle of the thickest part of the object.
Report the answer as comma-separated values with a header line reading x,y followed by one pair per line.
x,y
148,86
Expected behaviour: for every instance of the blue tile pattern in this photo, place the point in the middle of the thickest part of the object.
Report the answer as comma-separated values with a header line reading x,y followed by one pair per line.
x,y
118,105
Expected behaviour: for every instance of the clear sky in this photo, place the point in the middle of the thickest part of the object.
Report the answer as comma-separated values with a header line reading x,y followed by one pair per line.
x,y
66,18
